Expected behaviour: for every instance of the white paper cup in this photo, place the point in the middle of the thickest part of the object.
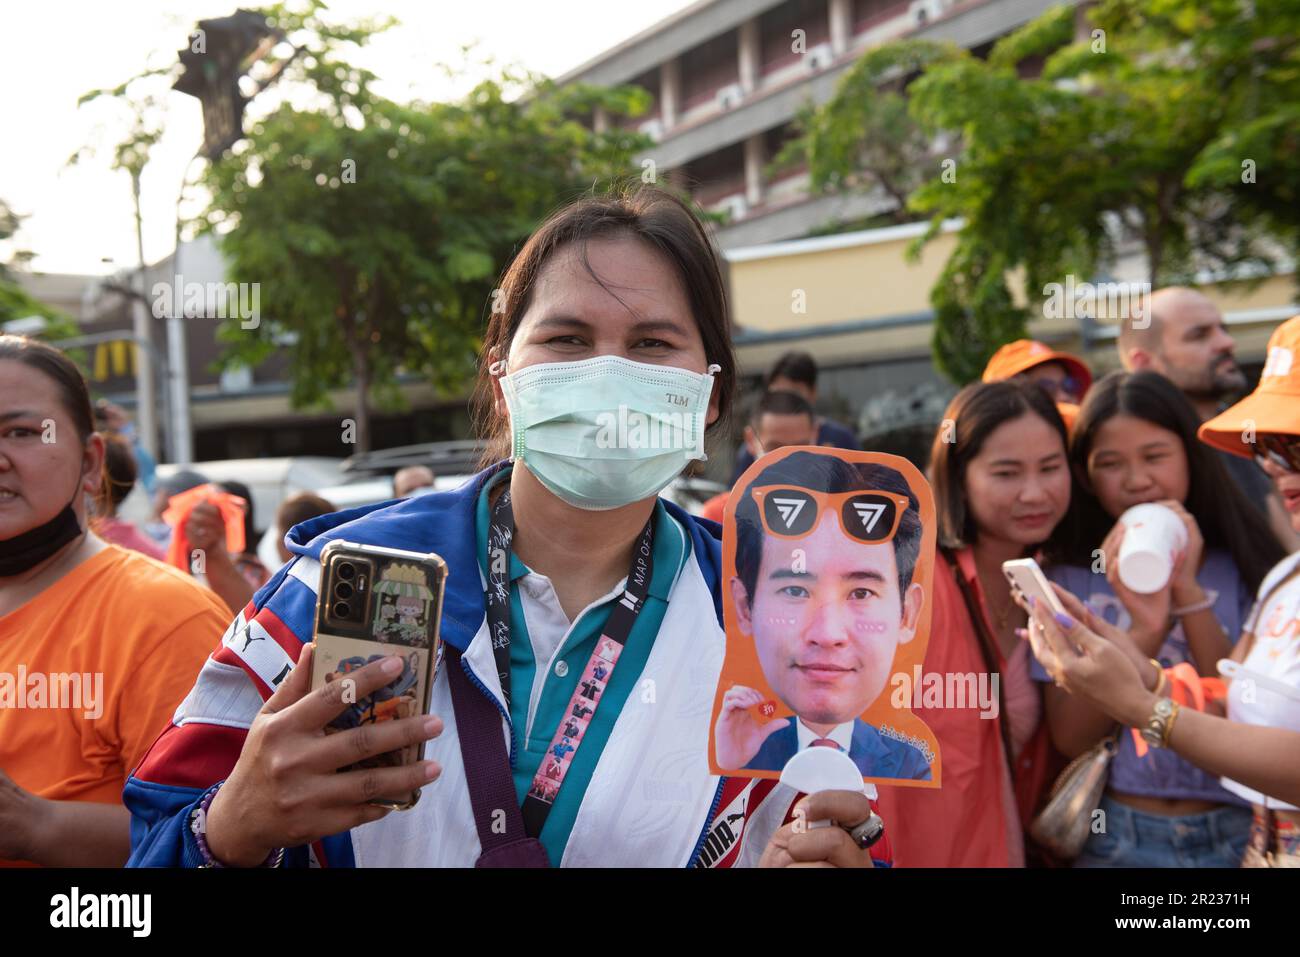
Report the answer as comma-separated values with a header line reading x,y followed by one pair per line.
x,y
1153,537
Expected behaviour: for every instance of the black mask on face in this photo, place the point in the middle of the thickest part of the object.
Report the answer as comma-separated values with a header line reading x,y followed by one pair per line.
x,y
28,549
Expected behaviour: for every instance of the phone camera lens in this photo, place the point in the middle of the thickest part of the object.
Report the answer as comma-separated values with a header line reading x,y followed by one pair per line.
x,y
347,570
342,609
342,590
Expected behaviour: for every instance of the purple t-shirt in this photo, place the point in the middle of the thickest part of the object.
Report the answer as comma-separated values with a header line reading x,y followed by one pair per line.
x,y
1160,772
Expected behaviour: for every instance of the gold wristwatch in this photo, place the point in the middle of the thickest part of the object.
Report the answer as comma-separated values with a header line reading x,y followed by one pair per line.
x,y
1158,727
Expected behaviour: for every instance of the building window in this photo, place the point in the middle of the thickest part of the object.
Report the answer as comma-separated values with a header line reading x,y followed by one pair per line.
x,y
871,13
708,68
776,26
717,175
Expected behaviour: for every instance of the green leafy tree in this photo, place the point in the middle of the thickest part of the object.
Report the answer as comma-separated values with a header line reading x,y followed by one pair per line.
x,y
864,138
1171,123
15,301
375,229
1139,114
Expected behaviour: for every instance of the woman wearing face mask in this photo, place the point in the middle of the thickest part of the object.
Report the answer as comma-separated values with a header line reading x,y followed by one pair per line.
x,y
97,643
1002,486
1134,443
1257,748
606,360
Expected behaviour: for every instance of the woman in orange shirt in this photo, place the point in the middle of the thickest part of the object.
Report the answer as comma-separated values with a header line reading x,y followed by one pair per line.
x,y
1002,486
98,645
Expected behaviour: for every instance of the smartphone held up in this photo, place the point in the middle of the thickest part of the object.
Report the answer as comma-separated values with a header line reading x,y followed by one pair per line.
x,y
375,602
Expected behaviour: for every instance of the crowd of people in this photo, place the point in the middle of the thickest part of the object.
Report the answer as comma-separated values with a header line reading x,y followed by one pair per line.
x,y
176,754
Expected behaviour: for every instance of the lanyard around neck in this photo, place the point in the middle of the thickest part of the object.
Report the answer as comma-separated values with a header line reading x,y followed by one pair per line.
x,y
595,677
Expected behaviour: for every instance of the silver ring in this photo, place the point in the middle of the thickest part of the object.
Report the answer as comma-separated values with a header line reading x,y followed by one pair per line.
x,y
867,832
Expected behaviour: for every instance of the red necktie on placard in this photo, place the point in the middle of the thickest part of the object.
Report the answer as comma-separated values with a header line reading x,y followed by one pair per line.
x,y
825,743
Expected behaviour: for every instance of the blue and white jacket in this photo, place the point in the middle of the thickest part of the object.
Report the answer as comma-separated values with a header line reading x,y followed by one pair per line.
x,y
652,801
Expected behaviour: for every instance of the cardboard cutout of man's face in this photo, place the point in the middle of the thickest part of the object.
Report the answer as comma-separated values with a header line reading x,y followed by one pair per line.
x,y
826,628
820,616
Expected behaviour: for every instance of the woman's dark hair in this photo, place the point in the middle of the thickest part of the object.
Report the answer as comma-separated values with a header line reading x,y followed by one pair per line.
x,y
825,473
46,359
972,416
120,472
655,217
1226,517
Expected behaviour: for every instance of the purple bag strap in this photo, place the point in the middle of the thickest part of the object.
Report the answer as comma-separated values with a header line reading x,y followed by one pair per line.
x,y
487,772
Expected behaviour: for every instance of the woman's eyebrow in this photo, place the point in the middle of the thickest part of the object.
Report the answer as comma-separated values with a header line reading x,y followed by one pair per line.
x,y
563,322
649,326
17,414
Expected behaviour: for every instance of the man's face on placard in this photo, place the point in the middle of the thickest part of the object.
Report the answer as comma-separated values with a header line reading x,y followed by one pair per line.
x,y
827,618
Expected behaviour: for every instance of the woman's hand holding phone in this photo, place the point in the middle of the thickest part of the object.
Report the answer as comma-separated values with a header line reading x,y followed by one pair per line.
x,y
1118,637
1088,665
285,789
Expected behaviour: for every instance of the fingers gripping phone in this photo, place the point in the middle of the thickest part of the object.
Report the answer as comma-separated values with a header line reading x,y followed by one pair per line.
x,y
1028,579
374,602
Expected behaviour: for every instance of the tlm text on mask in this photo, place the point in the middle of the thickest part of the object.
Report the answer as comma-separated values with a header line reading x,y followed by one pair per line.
x,y
669,431
953,689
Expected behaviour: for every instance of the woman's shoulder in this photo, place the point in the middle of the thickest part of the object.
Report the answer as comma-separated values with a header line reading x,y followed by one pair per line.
x,y
152,584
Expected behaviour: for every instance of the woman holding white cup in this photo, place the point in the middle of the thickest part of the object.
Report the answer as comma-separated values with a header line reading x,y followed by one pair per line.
x,y
1135,444
1257,748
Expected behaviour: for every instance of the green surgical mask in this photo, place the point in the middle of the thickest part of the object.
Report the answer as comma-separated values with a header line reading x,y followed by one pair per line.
x,y
605,432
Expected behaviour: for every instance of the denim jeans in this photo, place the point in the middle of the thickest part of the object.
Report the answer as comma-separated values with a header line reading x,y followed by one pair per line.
x,y
1134,838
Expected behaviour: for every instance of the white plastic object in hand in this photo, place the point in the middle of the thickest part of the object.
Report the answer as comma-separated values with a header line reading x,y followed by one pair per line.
x,y
1027,578
1153,537
824,769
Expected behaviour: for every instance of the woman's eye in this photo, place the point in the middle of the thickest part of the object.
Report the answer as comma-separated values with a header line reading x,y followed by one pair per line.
x,y
653,344
564,341
19,432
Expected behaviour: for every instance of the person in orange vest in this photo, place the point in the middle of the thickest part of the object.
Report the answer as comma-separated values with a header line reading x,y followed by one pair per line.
x,y
1064,377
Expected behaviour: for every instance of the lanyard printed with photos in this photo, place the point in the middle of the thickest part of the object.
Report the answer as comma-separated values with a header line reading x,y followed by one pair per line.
x,y
595,676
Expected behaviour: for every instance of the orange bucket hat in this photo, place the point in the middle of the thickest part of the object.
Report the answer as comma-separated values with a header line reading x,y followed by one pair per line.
x,y
1274,406
1016,357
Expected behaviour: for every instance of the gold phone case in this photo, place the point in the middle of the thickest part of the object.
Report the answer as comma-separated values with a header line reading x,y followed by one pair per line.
x,y
374,602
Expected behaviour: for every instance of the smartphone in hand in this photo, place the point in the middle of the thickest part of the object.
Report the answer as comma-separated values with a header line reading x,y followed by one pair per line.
x,y
1028,579
374,602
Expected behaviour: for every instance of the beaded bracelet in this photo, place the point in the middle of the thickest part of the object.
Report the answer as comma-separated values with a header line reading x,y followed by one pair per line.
x,y
1193,608
198,827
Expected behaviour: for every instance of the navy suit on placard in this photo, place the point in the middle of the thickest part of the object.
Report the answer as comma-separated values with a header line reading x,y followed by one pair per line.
x,y
875,755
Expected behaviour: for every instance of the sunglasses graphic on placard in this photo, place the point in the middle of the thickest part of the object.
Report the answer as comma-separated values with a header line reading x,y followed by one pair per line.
x,y
867,515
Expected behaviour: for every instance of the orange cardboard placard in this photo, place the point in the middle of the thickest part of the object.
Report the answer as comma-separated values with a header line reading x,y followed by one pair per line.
x,y
822,612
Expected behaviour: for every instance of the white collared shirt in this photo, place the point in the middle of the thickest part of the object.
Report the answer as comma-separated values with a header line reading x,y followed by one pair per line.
x,y
841,734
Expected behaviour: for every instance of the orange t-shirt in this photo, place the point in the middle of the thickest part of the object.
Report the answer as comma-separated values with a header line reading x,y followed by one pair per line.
x,y
92,669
